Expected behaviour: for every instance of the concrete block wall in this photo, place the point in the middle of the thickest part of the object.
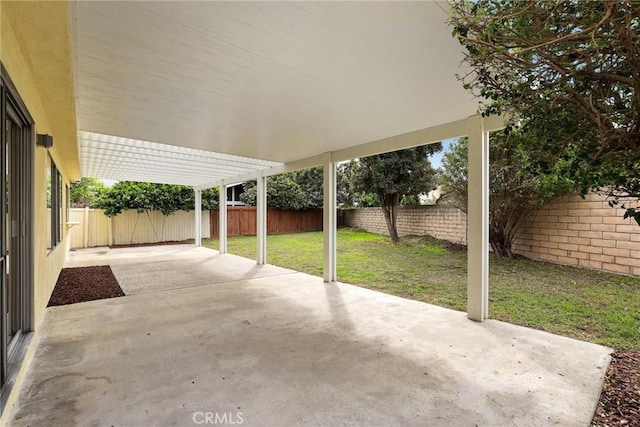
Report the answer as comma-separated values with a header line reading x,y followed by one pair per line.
x,y
367,219
582,232
569,230
441,222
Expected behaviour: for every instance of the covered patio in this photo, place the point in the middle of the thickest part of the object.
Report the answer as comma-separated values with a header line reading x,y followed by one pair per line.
x,y
210,94
202,334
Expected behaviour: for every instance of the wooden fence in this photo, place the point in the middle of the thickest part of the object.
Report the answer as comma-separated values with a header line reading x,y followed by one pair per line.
x,y
241,221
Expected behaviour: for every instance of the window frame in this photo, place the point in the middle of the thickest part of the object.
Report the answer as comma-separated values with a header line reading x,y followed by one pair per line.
x,y
55,204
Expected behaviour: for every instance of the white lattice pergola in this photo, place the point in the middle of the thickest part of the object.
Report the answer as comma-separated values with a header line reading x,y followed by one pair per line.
x,y
212,93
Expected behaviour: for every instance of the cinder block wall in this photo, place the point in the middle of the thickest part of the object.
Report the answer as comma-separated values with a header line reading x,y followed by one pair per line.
x,y
582,232
442,222
569,230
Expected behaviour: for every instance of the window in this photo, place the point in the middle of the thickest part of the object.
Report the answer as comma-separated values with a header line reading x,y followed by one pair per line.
x,y
233,195
54,203
67,192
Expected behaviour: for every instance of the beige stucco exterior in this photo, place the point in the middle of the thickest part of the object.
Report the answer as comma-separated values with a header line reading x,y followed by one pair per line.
x,y
36,52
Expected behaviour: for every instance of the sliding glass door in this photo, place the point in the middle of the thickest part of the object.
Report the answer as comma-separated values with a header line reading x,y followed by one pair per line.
x,y
16,236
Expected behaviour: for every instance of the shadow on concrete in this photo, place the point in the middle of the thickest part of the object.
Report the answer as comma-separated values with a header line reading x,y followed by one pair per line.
x,y
289,350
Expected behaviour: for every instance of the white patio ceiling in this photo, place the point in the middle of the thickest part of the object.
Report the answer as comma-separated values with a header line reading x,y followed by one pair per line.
x,y
279,82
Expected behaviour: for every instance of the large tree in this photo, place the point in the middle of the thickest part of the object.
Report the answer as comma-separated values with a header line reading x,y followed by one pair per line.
x,y
569,73
392,176
517,184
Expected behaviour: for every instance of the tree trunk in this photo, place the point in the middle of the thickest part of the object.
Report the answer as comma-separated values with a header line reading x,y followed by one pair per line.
x,y
501,243
389,202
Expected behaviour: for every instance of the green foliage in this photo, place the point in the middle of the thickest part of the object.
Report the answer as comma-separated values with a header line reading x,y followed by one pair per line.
x,y
301,189
146,196
209,199
348,195
283,192
366,200
394,176
518,183
411,200
310,181
84,193
568,71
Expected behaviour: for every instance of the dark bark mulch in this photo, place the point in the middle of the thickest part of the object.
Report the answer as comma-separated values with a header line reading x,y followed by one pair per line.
x,y
83,284
170,242
619,403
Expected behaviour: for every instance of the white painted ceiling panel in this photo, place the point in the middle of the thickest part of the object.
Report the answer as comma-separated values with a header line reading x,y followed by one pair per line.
x,y
280,81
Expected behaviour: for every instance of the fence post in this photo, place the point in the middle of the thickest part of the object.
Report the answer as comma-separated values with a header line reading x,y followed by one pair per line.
x,y
86,228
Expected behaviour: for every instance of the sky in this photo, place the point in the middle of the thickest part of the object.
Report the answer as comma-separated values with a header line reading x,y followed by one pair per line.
x,y
436,159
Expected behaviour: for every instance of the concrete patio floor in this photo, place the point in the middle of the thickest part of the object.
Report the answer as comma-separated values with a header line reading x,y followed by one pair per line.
x,y
204,338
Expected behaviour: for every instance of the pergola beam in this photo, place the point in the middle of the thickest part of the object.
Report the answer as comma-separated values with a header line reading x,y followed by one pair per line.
x,y
406,140
276,170
416,138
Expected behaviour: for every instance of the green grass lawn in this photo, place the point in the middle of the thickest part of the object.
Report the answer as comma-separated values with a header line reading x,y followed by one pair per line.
x,y
599,307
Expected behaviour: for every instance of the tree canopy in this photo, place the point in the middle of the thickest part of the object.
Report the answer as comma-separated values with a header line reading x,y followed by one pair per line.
x,y
568,72
146,197
392,176
302,189
86,192
517,185
348,194
283,192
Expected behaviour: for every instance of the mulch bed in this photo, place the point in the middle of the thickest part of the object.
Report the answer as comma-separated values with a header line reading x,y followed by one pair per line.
x,y
619,403
170,242
81,284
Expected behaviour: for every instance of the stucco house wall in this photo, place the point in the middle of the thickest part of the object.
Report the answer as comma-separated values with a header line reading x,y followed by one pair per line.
x,y
36,54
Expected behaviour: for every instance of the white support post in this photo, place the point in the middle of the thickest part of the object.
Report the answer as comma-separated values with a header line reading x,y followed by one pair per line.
x,y
222,222
478,221
198,219
329,219
261,220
